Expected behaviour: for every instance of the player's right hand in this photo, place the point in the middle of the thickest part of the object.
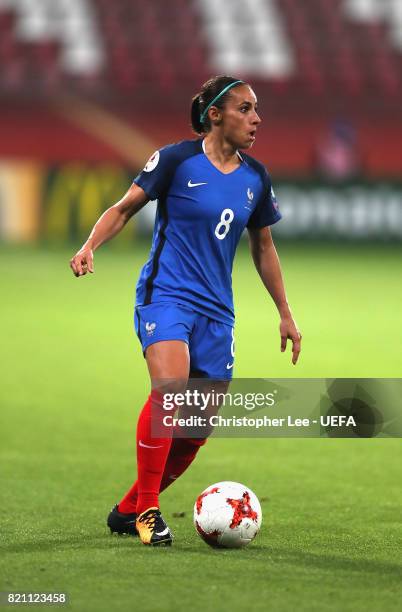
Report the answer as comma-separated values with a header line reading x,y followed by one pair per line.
x,y
82,262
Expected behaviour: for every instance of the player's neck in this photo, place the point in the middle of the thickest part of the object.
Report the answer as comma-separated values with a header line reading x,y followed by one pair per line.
x,y
221,153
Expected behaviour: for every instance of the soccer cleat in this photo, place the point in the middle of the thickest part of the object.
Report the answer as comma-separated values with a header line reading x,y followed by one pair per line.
x,y
152,529
122,523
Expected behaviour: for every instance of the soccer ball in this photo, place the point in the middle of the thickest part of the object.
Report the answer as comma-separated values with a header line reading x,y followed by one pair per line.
x,y
228,515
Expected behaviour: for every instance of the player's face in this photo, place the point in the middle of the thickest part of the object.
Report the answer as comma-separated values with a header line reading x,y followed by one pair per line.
x,y
239,117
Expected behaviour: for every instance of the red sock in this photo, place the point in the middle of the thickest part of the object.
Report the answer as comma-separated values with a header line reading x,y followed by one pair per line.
x,y
182,453
152,453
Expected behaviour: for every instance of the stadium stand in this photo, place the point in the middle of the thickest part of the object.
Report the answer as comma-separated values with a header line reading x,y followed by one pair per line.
x,y
251,42
311,62
44,42
152,43
349,47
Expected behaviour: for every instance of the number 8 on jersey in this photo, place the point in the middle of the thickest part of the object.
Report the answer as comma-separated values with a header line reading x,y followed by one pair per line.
x,y
227,217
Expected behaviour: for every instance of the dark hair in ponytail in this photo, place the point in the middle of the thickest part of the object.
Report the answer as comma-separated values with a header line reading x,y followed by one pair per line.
x,y
208,92
196,114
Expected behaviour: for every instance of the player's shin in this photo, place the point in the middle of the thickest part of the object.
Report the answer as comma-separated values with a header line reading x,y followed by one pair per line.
x,y
152,451
182,453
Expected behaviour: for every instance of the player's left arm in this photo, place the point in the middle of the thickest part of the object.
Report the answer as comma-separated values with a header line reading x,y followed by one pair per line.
x,y
266,261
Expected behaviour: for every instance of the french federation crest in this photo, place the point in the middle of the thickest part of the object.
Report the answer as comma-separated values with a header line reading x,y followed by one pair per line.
x,y
150,327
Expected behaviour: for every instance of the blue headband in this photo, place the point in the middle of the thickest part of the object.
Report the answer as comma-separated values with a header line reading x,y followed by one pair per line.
x,y
224,90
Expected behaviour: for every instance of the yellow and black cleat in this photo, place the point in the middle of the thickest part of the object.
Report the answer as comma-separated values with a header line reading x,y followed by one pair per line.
x,y
152,529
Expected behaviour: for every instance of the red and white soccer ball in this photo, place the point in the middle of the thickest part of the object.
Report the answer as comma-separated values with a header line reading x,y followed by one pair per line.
x,y
228,515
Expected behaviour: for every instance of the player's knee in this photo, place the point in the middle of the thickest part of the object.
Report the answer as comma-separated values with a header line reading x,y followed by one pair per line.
x,y
171,387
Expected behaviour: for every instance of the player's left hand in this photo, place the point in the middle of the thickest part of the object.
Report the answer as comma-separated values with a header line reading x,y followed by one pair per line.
x,y
289,330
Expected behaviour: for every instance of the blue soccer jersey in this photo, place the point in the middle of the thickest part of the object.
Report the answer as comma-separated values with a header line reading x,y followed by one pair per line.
x,y
201,215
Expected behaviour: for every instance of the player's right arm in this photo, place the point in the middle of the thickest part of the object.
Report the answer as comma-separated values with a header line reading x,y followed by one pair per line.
x,y
108,225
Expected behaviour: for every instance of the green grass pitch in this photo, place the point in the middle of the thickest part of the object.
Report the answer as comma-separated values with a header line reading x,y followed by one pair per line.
x,y
73,379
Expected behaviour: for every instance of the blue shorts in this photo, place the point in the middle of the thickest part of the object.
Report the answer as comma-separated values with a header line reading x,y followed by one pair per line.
x,y
210,342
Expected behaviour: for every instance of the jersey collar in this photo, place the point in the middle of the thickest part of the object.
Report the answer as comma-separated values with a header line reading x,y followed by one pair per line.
x,y
203,148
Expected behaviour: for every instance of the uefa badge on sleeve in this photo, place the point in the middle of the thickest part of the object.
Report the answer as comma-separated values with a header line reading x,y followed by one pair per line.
x,y
152,162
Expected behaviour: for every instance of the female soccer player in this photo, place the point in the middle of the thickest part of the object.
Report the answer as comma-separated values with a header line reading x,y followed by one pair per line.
x,y
208,193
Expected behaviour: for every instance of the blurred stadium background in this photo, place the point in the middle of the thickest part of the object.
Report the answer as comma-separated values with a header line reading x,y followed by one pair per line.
x,y
90,88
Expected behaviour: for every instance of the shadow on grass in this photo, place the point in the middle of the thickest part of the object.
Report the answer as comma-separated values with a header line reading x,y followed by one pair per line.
x,y
106,541
330,562
53,543
258,553
277,556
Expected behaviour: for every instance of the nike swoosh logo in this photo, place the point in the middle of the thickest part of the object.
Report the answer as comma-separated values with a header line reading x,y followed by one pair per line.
x,y
190,184
229,366
147,445
162,533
